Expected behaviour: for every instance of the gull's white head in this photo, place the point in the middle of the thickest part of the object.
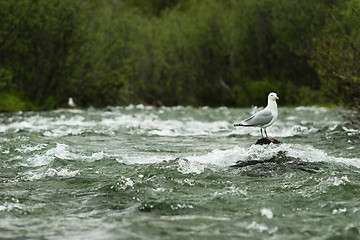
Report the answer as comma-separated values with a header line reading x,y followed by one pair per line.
x,y
273,96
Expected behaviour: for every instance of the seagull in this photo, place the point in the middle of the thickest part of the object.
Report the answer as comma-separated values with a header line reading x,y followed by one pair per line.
x,y
264,118
71,102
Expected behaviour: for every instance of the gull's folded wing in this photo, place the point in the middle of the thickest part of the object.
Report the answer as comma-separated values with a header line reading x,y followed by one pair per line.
x,y
258,119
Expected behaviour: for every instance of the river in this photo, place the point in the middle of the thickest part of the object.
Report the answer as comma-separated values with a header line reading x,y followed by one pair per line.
x,y
141,172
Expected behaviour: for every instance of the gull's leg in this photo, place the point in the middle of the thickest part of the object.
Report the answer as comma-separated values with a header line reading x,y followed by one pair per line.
x,y
271,139
261,133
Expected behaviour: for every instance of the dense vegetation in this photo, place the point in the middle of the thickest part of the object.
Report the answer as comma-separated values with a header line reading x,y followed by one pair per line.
x,y
179,52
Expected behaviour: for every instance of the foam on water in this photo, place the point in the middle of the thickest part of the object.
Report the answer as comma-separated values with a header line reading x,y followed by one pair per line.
x,y
225,158
51,126
60,151
262,228
130,158
316,110
148,120
187,167
310,154
113,173
29,148
139,122
51,172
9,206
232,190
151,124
63,131
186,128
267,213
351,131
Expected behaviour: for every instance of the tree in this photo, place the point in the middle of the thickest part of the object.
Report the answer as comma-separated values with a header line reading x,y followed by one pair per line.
x,y
336,54
39,44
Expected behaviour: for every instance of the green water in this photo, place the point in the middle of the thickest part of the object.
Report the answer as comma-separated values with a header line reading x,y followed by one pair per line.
x,y
164,173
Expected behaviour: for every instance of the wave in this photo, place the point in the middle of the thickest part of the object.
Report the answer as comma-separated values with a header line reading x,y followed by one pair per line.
x,y
10,206
256,154
216,160
61,151
289,157
299,156
167,121
142,122
50,172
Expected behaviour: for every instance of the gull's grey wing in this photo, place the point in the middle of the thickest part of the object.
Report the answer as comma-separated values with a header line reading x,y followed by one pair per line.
x,y
258,119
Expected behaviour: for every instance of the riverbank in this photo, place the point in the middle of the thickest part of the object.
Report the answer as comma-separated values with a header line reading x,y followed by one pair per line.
x,y
181,52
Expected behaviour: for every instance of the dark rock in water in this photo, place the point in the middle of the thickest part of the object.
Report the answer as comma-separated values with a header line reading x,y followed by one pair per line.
x,y
279,158
247,163
263,141
280,163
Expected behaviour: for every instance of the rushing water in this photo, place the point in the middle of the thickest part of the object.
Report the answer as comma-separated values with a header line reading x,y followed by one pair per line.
x,y
164,173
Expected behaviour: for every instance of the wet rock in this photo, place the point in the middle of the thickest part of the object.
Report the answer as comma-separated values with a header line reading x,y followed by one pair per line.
x,y
263,141
277,164
247,163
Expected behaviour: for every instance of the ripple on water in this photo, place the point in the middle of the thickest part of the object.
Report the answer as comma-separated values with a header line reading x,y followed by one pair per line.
x,y
48,173
142,171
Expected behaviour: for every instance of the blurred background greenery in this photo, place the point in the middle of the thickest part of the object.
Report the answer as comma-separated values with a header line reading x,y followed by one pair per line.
x,y
178,52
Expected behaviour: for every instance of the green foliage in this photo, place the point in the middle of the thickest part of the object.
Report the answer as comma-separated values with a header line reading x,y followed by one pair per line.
x,y
155,7
337,58
5,78
107,60
12,101
39,41
187,52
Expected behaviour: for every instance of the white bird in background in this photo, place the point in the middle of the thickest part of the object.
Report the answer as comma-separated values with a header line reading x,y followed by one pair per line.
x,y
71,102
263,118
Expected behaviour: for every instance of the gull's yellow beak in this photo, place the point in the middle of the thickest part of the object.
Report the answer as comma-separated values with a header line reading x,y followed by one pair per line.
x,y
277,98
